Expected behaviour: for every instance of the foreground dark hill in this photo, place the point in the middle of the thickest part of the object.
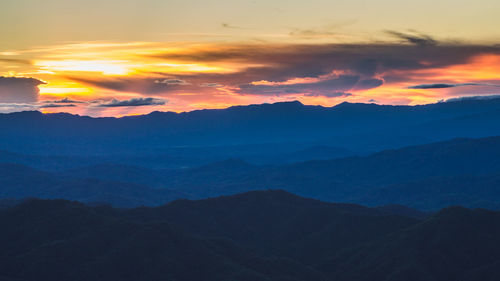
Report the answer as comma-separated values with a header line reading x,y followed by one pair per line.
x,y
278,223
266,130
60,240
454,244
267,235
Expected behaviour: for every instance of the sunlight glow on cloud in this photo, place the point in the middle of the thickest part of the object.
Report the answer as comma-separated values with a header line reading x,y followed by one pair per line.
x,y
195,76
105,67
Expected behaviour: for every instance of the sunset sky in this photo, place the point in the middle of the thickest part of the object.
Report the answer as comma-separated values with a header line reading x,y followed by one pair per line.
x,y
123,57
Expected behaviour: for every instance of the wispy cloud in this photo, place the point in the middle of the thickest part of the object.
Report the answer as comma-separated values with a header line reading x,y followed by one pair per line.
x,y
65,100
327,31
171,82
448,85
228,25
414,38
15,61
330,95
312,33
132,102
329,87
13,107
489,97
211,85
55,105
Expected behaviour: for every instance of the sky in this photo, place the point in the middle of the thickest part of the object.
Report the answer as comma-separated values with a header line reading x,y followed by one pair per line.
x,y
127,57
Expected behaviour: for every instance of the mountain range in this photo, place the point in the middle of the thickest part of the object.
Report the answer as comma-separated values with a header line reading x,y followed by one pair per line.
x,y
253,132
428,177
272,192
425,157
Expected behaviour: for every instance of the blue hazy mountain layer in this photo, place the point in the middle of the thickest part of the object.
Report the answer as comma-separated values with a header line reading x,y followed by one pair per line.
x,y
431,176
250,131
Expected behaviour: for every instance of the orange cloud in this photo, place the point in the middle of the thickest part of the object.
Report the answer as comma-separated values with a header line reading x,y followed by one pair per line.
x,y
196,76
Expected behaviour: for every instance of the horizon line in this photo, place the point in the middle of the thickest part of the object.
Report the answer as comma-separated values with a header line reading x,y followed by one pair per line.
x,y
457,99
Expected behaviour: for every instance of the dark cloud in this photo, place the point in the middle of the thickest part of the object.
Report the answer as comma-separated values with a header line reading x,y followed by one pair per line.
x,y
117,84
65,100
372,65
330,87
211,85
19,89
367,67
140,85
368,84
171,82
330,95
15,107
415,38
228,53
490,97
54,105
311,60
132,102
447,85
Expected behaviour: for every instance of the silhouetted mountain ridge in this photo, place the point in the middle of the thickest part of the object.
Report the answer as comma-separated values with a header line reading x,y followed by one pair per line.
x,y
358,127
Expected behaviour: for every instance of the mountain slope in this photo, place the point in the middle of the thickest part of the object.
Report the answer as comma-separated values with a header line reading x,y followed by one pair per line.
x,y
270,222
454,244
18,182
371,179
426,177
266,235
48,240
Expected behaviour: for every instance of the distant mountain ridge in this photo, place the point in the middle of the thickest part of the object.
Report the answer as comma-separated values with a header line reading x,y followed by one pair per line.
x,y
358,127
432,176
20,182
